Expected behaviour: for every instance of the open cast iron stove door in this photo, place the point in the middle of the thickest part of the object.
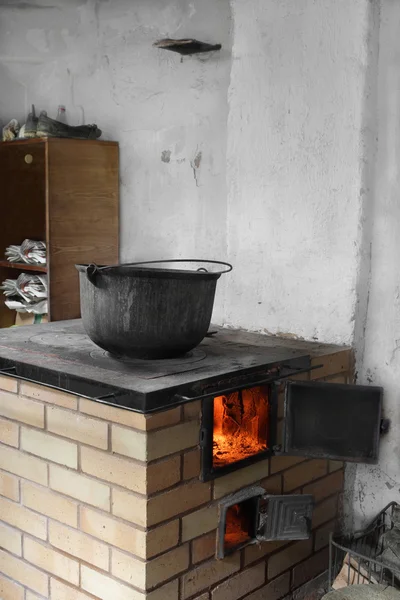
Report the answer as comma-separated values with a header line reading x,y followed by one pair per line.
x,y
330,420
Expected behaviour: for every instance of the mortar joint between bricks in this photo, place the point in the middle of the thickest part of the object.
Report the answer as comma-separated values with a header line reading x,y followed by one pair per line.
x,y
78,465
180,536
291,579
23,545
242,560
165,490
167,456
46,408
109,438
180,586
111,500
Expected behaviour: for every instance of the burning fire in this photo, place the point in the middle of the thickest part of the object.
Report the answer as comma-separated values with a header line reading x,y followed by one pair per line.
x,y
240,425
237,526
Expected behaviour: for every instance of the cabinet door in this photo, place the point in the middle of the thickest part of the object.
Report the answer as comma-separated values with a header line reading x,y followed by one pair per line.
x,y
336,421
83,216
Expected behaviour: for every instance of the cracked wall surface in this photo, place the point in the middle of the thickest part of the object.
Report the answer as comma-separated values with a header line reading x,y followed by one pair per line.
x,y
295,164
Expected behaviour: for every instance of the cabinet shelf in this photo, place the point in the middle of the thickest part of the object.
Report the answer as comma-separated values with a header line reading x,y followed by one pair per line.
x,y
66,193
23,266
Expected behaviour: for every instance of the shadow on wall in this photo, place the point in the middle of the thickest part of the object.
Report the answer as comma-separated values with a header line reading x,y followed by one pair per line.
x,y
369,489
369,142
13,92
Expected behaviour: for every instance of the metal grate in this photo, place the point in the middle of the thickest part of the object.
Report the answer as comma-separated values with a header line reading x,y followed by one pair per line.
x,y
358,556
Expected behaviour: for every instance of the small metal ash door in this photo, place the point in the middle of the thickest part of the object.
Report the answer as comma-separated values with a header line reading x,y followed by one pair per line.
x,y
285,517
251,516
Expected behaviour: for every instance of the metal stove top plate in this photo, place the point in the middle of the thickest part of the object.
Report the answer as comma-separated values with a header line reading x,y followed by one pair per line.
x,y
62,351
72,345
148,369
62,340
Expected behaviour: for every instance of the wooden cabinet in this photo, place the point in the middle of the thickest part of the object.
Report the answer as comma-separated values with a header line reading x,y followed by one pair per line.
x,y
66,193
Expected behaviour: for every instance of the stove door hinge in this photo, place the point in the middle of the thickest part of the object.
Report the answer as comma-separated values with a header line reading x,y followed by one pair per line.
x,y
277,450
385,426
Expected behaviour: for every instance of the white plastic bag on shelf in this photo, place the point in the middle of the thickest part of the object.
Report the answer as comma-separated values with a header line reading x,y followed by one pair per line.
x,y
31,252
32,287
18,304
29,287
27,294
10,131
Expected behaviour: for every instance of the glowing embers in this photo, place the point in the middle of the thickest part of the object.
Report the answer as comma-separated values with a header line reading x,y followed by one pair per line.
x,y
238,518
240,425
251,515
238,525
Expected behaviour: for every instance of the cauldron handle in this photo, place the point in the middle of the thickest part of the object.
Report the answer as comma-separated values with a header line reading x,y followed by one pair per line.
x,y
92,271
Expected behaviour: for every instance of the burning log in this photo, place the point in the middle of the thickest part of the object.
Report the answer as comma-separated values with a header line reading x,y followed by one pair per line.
x,y
240,425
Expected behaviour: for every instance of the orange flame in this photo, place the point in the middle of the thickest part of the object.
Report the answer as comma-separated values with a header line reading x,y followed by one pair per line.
x,y
237,527
240,425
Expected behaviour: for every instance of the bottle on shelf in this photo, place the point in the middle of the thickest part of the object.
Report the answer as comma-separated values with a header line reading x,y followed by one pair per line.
x,y
62,115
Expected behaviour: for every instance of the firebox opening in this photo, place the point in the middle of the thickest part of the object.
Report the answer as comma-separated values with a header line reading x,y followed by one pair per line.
x,y
240,425
240,526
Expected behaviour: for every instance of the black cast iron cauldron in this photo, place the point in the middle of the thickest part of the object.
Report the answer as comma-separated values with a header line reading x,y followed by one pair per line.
x,y
151,310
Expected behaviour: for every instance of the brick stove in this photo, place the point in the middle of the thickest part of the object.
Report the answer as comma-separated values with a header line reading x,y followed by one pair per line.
x,y
111,485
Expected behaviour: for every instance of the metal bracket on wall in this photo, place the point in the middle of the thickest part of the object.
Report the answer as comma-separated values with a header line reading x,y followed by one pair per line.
x,y
187,46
